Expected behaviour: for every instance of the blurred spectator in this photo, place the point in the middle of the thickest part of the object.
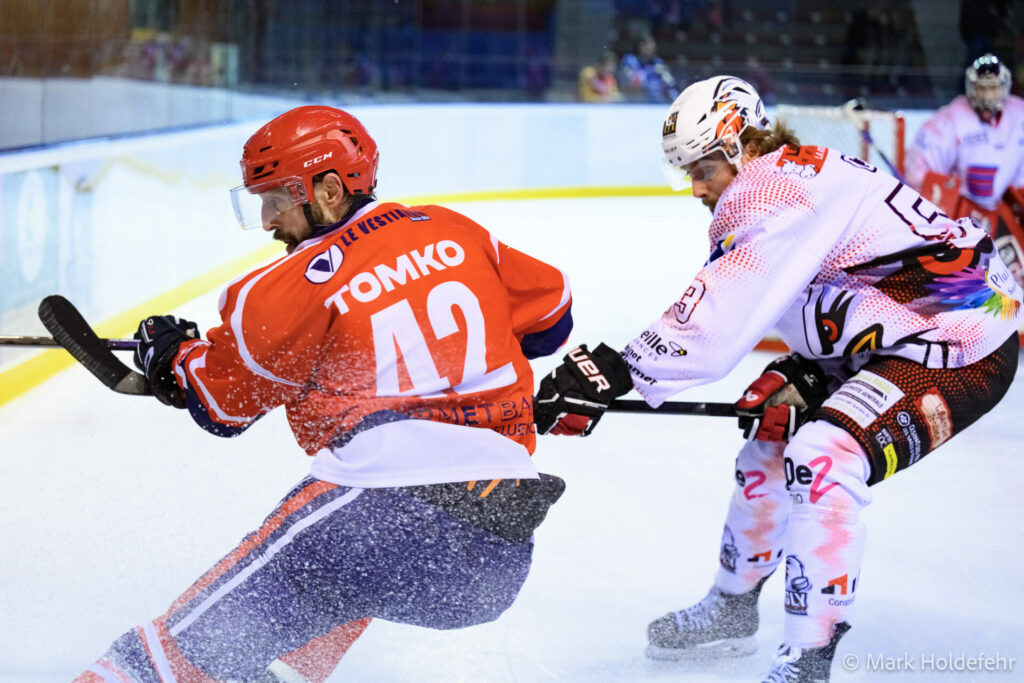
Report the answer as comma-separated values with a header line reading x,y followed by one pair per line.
x,y
1018,78
161,57
536,71
880,47
348,69
981,24
597,81
759,77
716,15
644,74
667,16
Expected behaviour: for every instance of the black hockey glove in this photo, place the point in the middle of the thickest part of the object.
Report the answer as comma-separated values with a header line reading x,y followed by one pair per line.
x,y
573,397
775,404
159,338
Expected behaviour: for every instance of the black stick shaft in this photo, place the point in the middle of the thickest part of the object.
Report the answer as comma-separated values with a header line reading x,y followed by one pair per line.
x,y
673,408
48,342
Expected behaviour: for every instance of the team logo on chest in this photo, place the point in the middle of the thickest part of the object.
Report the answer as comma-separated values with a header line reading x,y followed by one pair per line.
x,y
324,265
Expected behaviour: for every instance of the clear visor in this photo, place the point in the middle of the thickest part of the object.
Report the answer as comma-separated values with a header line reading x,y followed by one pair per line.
x,y
257,206
703,170
677,178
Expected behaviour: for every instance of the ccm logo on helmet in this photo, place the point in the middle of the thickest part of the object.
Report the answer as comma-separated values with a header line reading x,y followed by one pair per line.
x,y
589,368
317,160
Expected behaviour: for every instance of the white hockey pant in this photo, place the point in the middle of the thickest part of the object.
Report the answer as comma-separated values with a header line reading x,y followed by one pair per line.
x,y
799,503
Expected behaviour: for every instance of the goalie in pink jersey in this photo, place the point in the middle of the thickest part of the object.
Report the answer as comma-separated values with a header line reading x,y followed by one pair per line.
x,y
902,325
397,340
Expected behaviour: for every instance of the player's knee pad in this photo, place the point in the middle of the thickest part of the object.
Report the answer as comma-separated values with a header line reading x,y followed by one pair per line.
x,y
826,471
760,472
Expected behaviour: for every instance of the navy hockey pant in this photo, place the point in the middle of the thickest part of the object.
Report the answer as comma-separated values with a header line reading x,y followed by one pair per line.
x,y
326,556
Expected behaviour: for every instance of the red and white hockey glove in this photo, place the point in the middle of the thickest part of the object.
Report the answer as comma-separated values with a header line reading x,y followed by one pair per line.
x,y
573,397
775,404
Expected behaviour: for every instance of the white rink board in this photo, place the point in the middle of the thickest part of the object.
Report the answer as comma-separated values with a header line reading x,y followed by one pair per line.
x,y
113,505
113,223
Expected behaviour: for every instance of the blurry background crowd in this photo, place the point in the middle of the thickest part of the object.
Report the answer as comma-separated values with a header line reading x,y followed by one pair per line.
x,y
898,53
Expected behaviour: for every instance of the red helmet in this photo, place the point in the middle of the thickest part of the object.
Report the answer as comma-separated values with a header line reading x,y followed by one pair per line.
x,y
281,159
307,141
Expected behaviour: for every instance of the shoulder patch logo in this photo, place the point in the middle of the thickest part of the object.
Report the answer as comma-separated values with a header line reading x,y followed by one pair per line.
x,y
324,265
804,161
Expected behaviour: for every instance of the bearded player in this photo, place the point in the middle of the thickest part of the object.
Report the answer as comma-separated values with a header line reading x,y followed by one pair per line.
x,y
902,322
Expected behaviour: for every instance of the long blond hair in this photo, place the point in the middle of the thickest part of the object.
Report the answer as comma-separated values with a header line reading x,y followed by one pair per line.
x,y
770,139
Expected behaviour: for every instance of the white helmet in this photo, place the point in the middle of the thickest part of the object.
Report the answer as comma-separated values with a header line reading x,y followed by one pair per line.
x,y
987,84
708,117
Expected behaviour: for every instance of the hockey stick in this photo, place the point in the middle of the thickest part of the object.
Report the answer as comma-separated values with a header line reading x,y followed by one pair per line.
x,y
673,408
70,330
850,109
46,342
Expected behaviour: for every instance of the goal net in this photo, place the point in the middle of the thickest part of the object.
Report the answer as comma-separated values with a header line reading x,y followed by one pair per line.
x,y
836,128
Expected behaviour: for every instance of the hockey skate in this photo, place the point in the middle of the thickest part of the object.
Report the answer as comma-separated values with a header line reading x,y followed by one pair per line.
x,y
721,625
803,665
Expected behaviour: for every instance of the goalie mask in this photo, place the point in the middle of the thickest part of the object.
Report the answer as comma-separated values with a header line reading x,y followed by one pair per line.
x,y
708,117
281,159
987,84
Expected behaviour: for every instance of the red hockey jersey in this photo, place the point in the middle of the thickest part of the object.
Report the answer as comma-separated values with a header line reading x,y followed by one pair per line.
x,y
398,344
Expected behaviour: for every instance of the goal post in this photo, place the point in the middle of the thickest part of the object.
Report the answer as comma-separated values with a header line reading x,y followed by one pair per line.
x,y
832,127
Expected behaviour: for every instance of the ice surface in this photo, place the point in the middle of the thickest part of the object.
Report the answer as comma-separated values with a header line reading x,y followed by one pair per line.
x,y
112,505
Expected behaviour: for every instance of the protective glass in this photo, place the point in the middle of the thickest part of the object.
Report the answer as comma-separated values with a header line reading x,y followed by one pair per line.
x,y
702,170
258,205
677,178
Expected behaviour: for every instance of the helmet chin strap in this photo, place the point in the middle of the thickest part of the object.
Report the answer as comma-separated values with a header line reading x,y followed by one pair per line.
x,y
307,211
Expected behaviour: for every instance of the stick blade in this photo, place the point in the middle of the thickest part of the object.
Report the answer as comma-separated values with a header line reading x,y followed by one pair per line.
x,y
71,331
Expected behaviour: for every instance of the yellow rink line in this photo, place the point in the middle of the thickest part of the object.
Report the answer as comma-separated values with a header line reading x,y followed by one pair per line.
x,y
35,370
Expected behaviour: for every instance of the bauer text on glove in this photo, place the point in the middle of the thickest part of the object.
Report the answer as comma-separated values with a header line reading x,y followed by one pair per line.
x,y
573,397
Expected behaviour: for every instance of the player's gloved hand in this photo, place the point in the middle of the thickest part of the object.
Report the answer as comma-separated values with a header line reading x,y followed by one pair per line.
x,y
573,397
775,404
159,338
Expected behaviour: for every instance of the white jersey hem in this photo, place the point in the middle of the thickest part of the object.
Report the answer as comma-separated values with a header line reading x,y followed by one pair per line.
x,y
417,452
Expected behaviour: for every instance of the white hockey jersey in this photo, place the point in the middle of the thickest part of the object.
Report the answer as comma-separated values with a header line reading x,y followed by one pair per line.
x,y
987,159
844,261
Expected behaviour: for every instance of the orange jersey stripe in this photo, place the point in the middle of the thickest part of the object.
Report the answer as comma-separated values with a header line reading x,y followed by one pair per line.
x,y
294,503
317,659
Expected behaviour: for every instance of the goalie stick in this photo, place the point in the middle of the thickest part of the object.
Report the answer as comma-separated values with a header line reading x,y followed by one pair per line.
x,y
70,330
850,109
673,408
